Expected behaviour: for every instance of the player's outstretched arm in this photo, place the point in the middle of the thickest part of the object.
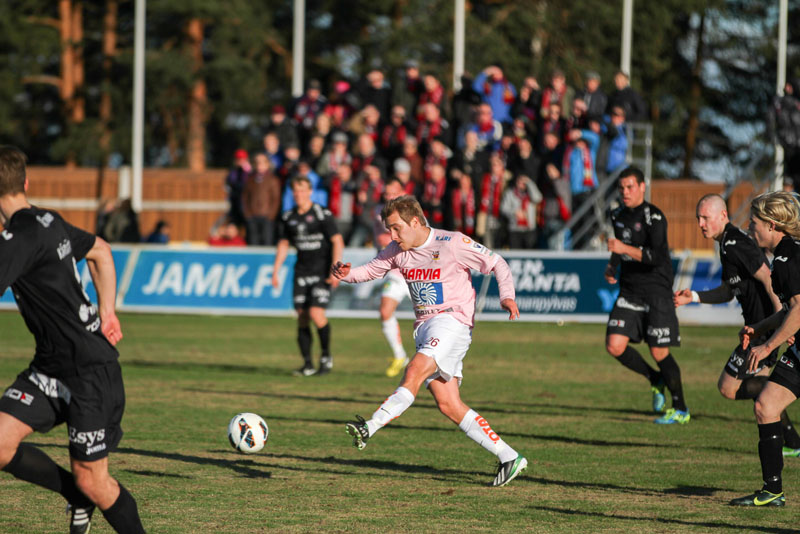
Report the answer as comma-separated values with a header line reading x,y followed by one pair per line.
x,y
104,277
510,305
340,270
682,297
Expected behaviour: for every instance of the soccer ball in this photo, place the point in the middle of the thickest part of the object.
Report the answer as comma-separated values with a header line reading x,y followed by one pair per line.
x,y
248,432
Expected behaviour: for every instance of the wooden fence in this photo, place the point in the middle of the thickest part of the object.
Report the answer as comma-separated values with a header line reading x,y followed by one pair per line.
x,y
192,202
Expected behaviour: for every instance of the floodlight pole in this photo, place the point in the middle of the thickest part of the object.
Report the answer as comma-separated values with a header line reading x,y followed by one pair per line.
x,y
783,23
627,37
298,46
137,158
458,44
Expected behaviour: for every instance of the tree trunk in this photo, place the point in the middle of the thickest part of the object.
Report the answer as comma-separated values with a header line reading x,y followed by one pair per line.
x,y
198,101
79,102
694,102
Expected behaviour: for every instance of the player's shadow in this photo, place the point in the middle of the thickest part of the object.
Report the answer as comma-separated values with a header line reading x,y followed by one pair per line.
x,y
197,366
681,491
735,527
492,406
388,466
243,466
372,401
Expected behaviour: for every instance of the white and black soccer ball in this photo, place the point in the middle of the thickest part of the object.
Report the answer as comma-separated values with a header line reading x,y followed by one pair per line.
x,y
248,432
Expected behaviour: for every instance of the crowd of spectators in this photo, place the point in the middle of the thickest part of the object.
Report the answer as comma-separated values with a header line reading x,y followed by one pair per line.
x,y
503,163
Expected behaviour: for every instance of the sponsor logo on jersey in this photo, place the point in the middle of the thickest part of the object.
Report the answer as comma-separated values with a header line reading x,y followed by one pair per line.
x,y
637,226
655,216
89,438
616,322
442,238
466,240
6,235
15,394
729,243
782,259
45,220
436,256
785,360
50,386
619,224
734,279
421,274
64,248
426,293
662,334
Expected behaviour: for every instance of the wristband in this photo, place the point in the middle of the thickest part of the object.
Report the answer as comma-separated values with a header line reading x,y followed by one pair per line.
x,y
695,296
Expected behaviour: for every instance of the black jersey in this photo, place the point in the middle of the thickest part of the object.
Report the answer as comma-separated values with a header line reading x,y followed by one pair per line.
x,y
644,227
786,273
741,258
310,233
38,255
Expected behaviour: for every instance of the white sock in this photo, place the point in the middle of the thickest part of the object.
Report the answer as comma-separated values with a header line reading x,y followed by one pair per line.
x,y
397,403
391,330
478,430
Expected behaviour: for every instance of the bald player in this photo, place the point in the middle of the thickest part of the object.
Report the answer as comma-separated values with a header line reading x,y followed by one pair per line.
x,y
745,275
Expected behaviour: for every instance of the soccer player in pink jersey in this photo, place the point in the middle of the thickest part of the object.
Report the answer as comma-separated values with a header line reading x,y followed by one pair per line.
x,y
436,266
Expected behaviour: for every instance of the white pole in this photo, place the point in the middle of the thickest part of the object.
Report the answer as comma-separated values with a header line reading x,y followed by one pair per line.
x,y
458,44
781,83
627,37
138,104
298,47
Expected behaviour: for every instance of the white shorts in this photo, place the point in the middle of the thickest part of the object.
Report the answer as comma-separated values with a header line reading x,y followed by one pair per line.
x,y
394,287
446,340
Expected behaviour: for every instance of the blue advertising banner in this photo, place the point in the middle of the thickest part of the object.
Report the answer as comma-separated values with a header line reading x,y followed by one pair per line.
x,y
553,286
221,281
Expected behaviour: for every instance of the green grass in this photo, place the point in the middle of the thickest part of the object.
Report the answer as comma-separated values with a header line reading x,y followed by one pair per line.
x,y
597,463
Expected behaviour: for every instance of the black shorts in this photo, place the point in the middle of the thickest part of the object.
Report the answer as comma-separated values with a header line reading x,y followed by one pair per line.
x,y
787,371
311,291
736,365
652,320
91,404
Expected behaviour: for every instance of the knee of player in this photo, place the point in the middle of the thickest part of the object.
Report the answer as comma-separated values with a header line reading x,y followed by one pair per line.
x,y
763,411
727,391
614,349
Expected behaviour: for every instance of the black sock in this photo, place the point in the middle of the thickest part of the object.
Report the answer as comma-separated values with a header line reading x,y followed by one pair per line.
x,y
325,339
304,341
751,387
33,465
634,361
672,378
770,444
790,437
123,515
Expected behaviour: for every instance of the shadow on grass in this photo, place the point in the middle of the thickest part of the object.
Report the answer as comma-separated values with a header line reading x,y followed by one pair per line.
x,y
244,467
159,474
681,491
735,527
197,366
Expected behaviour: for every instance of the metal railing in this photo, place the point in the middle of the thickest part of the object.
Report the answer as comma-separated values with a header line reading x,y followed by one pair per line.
x,y
589,222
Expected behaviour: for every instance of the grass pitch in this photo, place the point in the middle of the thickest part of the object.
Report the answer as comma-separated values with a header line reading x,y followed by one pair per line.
x,y
596,461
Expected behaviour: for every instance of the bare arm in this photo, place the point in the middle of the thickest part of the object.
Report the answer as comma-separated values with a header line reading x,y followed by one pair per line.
x,y
787,328
616,246
280,257
104,276
764,275
337,247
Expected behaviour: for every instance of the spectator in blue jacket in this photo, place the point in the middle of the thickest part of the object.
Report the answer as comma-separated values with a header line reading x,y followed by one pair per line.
x,y
579,166
616,133
497,91
318,193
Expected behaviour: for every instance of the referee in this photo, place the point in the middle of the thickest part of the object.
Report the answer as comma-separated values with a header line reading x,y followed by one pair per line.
x,y
644,309
75,376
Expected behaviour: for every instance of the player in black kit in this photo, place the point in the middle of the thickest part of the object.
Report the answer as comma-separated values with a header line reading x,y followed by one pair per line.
x,y
746,276
312,230
644,308
75,376
775,226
